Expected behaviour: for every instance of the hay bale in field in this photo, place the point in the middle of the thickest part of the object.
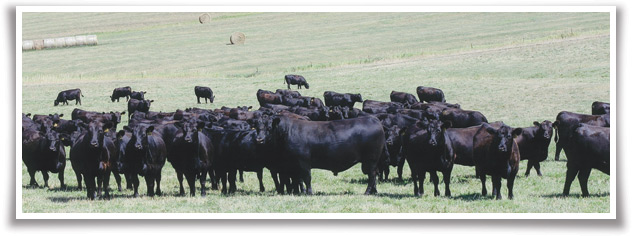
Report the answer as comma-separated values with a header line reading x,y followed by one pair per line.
x,y
237,38
70,41
205,18
38,44
49,43
60,42
81,40
27,45
91,40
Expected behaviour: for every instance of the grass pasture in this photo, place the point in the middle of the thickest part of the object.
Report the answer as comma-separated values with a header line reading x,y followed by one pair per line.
x,y
514,67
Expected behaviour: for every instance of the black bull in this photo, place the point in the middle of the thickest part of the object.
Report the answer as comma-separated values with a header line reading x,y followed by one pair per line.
x,y
331,145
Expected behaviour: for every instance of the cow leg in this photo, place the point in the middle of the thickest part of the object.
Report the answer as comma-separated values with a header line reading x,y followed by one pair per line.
x,y
496,187
158,191
435,181
260,178
90,187
583,181
558,150
149,181
571,172
198,98
232,176
32,175
191,182
179,174
400,169
529,165
61,179
117,178
45,175
203,184
206,100
106,184
413,174
537,168
306,176
79,179
275,178
387,171
223,178
446,181
135,183
484,189
128,182
99,185
241,176
510,183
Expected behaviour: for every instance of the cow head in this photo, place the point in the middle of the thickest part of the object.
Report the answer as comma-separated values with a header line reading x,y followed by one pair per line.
x,y
503,136
260,126
54,144
356,97
212,98
544,129
391,134
324,113
306,85
190,128
96,133
112,98
435,130
335,113
56,102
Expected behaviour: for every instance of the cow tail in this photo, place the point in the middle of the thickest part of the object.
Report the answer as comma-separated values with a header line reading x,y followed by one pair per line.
x,y
81,93
556,139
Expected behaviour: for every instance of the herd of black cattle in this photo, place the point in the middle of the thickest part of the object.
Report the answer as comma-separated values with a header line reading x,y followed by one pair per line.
x,y
290,134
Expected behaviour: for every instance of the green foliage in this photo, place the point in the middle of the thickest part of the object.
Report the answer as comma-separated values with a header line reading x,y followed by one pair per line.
x,y
513,67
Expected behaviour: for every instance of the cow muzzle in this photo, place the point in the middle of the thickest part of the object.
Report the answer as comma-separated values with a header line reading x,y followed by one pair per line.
x,y
259,140
94,144
138,146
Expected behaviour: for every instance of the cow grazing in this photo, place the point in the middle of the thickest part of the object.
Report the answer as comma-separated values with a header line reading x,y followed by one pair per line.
x,y
140,95
341,99
43,152
138,105
404,98
191,154
72,94
427,149
375,107
600,108
496,153
121,92
427,94
566,122
589,147
145,155
330,145
533,144
204,92
91,156
462,118
296,79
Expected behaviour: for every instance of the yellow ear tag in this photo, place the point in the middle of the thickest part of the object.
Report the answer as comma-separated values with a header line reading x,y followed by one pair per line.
x,y
252,128
444,112
106,130
55,125
63,139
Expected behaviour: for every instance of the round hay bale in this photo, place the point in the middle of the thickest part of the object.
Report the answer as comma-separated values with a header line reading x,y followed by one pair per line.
x,y
238,38
91,40
38,44
205,18
70,41
81,40
49,43
60,42
27,45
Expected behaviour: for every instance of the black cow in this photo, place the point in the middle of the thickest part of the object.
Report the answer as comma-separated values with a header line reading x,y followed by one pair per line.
x,y
341,99
204,92
462,142
462,118
122,139
315,114
43,152
404,98
45,123
137,105
145,155
88,116
427,94
91,156
331,145
296,79
266,97
600,108
375,107
121,92
589,147
72,94
427,149
533,144
285,92
566,122
393,147
290,101
191,155
496,153
140,95
316,102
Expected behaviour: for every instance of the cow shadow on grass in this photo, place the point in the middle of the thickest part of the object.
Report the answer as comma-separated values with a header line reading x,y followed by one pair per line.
x,y
575,195
470,197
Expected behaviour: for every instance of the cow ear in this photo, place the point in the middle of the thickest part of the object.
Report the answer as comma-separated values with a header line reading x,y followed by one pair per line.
x,y
536,123
516,132
123,113
28,114
250,108
200,125
120,134
446,125
555,124
488,128
151,100
107,126
402,131
276,121
61,115
128,129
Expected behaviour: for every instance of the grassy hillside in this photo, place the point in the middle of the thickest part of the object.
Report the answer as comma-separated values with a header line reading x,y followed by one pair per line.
x,y
514,67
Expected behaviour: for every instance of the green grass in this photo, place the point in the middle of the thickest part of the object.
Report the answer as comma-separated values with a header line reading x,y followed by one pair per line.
x,y
514,67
